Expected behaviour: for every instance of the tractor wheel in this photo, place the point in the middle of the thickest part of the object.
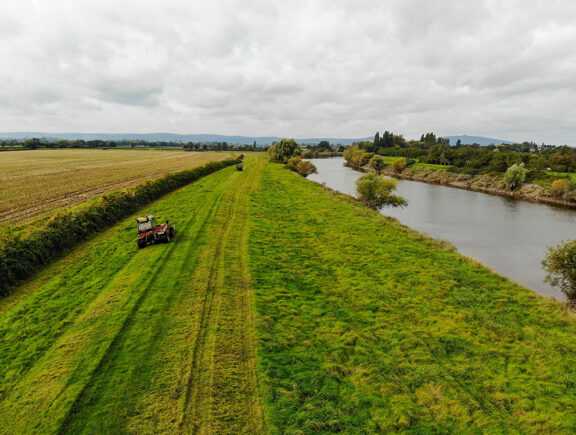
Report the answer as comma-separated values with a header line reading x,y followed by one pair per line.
x,y
141,245
167,237
172,232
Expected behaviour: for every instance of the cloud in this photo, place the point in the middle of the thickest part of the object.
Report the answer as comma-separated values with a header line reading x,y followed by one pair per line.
x,y
299,69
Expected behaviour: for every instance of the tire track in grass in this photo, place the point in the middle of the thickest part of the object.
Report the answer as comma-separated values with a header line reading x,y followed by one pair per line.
x,y
234,380
192,391
205,213
221,389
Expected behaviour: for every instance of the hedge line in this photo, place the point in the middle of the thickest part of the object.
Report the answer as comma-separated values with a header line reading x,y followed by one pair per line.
x,y
21,257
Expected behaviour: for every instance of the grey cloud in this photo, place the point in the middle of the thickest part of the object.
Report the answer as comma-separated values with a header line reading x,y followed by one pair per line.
x,y
300,68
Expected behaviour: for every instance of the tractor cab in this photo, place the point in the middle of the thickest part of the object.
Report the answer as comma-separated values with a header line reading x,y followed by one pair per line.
x,y
146,223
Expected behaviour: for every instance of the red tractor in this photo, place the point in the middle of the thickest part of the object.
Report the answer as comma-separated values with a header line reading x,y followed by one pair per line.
x,y
150,231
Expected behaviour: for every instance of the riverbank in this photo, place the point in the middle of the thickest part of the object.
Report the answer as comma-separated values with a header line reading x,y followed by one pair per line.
x,y
366,326
491,184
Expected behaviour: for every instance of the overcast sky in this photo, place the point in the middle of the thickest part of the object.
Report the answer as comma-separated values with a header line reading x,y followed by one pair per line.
x,y
336,68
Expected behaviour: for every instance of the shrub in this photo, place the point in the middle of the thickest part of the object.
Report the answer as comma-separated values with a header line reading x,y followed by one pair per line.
x,y
558,188
560,263
410,162
515,176
398,165
377,163
570,189
376,191
306,168
308,154
21,257
365,159
296,164
292,163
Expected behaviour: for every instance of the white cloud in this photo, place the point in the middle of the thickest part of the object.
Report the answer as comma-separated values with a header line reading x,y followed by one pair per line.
x,y
299,68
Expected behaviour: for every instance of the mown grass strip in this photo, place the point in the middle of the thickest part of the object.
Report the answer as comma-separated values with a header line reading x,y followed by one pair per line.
x,y
222,390
366,326
113,360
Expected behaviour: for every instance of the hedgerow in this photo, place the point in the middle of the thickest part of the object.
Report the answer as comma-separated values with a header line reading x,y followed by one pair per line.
x,y
20,256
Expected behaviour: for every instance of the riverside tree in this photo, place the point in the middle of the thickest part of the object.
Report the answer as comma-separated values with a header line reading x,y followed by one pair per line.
x,y
283,150
377,163
515,176
560,263
376,191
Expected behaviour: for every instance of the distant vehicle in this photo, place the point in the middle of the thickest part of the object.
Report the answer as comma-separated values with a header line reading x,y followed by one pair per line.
x,y
150,231
240,167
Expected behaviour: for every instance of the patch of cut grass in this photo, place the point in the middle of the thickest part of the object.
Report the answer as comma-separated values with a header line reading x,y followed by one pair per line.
x,y
121,339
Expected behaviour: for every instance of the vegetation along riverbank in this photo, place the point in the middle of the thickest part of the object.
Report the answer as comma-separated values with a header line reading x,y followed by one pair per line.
x,y
480,169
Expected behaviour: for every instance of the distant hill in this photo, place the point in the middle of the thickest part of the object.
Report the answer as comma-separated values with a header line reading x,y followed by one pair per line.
x,y
242,140
171,137
469,140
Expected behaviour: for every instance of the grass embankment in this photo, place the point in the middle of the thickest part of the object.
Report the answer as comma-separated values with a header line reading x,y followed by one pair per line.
x,y
114,339
35,183
366,326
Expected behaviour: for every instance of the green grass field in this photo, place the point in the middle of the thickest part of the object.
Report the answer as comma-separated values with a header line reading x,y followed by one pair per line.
x,y
389,160
281,307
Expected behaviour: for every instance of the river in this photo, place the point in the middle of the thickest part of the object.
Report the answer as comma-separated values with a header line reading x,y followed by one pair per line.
x,y
509,236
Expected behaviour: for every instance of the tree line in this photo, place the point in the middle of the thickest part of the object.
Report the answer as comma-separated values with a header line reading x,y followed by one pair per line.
x,y
36,143
473,159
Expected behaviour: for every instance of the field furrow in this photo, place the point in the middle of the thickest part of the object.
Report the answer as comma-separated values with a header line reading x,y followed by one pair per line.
x,y
36,183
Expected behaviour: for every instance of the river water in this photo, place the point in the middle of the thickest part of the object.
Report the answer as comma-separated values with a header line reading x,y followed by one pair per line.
x,y
510,236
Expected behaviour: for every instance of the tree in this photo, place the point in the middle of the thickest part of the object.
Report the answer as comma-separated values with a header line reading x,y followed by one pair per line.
x,y
32,144
515,176
429,139
399,141
387,140
283,150
377,163
356,156
376,191
376,140
560,263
